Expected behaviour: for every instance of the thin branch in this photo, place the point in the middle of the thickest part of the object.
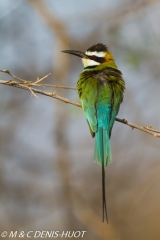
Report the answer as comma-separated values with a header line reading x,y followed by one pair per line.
x,y
8,72
25,85
30,83
51,85
153,130
41,79
141,128
33,91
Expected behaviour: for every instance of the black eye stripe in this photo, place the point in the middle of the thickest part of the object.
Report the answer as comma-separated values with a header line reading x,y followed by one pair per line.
x,y
94,57
97,59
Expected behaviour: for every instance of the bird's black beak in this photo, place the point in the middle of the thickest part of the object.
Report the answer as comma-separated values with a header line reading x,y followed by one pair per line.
x,y
76,53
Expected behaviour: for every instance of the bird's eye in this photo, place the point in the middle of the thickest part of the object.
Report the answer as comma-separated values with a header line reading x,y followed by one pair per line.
x,y
94,57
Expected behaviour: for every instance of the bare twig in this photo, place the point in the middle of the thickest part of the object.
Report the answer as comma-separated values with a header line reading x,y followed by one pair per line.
x,y
33,91
153,130
36,83
26,85
41,79
8,72
51,85
141,128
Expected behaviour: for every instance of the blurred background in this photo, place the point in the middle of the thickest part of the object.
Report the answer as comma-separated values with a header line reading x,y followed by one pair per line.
x,y
48,179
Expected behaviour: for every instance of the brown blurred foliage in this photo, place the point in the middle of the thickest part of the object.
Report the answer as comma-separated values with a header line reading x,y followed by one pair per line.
x,y
48,179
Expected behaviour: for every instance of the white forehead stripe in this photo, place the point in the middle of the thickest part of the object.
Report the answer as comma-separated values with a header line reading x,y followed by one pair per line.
x,y
98,54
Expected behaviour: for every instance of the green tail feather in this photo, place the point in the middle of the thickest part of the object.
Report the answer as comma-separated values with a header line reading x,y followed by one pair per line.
x,y
103,150
105,143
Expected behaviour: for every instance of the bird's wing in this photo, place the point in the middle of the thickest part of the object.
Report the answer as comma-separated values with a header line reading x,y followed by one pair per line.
x,y
116,82
111,93
87,91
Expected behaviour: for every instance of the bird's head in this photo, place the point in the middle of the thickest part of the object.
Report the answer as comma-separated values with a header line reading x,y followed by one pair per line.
x,y
95,55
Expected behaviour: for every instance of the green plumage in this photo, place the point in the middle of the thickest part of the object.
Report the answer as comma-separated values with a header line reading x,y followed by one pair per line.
x,y
101,92
100,89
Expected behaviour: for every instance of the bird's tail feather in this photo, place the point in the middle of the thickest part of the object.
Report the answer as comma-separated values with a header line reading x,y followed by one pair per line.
x,y
104,204
103,154
102,141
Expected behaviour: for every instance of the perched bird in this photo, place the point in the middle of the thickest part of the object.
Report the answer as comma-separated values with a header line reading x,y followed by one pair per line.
x,y
100,88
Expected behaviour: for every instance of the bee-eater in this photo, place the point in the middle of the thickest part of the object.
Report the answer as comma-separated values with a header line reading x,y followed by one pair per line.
x,y
100,88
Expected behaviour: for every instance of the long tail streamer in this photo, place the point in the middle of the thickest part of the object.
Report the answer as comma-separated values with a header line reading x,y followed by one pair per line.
x,y
104,204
